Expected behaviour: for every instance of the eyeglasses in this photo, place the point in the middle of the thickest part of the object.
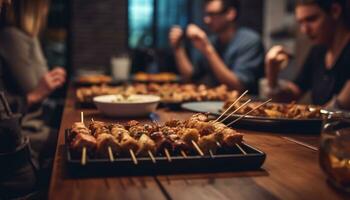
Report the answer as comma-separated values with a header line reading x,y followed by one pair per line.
x,y
214,14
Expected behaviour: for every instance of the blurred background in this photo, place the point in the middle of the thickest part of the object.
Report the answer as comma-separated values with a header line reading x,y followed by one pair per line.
x,y
84,35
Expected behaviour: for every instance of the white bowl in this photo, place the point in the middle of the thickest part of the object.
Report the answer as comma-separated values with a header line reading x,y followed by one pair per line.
x,y
132,106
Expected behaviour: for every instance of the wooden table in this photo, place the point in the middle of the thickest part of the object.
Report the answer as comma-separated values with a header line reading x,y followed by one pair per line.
x,y
291,171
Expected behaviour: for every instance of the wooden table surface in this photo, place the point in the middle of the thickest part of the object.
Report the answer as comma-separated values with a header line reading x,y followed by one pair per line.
x,y
291,171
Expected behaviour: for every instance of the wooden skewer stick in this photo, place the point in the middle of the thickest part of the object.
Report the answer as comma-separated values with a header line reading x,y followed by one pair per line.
x,y
218,144
234,121
241,106
211,153
83,153
110,153
133,156
197,148
167,154
83,156
231,106
241,149
82,117
152,157
183,154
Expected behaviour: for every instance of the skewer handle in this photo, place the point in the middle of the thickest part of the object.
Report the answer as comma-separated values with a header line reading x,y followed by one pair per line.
x,y
110,153
197,148
234,103
234,121
183,154
167,154
151,156
83,156
133,156
82,117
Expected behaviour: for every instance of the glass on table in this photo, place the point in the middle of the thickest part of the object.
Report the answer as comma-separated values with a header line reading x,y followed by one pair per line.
x,y
334,151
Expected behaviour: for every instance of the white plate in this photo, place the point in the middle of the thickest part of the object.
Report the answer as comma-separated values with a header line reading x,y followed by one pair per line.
x,y
133,106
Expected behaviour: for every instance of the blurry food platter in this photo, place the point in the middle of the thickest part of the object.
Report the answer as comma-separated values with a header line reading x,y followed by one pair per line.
x,y
171,94
302,122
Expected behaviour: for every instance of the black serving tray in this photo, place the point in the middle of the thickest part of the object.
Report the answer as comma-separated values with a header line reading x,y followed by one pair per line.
x,y
225,160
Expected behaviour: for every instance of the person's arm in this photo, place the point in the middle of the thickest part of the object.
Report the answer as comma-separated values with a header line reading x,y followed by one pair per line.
x,y
47,84
221,71
342,100
183,63
27,65
288,91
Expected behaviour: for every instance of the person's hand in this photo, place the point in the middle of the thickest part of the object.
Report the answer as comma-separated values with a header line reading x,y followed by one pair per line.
x,y
175,37
275,60
47,84
198,37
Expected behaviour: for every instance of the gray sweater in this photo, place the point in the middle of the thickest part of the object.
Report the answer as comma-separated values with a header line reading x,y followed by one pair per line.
x,y
23,61
23,54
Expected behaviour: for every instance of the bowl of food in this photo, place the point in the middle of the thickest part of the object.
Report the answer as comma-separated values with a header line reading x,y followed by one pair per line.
x,y
126,106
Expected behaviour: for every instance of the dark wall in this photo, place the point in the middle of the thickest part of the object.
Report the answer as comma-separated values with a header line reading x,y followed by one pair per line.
x,y
98,31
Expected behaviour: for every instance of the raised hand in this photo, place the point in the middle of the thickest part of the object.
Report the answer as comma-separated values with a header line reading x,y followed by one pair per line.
x,y
198,37
175,37
47,84
275,60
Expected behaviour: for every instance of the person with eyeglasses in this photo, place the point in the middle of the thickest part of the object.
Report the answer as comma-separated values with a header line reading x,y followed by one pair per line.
x,y
233,55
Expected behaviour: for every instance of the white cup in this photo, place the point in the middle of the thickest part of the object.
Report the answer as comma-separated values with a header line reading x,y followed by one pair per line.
x,y
120,67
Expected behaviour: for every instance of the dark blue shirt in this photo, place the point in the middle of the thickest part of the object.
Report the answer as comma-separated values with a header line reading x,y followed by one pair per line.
x,y
244,55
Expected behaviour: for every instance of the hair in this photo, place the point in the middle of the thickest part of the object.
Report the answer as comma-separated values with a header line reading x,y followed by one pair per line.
x,y
227,4
29,16
326,5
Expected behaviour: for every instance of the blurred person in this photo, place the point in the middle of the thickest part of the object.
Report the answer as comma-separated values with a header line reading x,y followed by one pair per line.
x,y
27,74
17,172
233,56
326,70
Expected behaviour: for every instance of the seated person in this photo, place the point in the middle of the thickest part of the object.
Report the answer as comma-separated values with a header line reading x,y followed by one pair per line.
x,y
24,73
234,56
326,71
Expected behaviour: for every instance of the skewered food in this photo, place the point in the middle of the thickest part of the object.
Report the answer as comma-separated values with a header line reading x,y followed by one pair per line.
x,y
169,93
277,110
81,137
174,136
159,77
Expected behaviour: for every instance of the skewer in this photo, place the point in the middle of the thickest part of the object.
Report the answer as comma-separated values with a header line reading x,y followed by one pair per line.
x,y
111,157
197,148
167,154
110,153
152,157
218,143
241,149
83,157
82,117
211,153
234,121
5,103
183,154
244,104
231,106
133,156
